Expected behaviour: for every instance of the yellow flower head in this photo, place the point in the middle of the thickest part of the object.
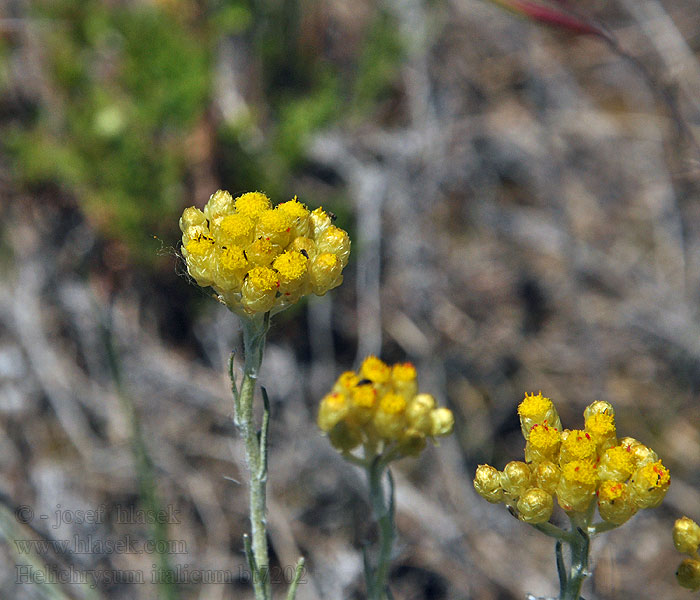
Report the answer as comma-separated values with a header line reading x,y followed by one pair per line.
x,y
226,244
537,410
381,414
542,444
579,464
251,204
649,484
577,445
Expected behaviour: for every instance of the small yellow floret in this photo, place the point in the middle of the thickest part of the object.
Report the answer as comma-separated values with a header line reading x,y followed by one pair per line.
x,y
327,261
364,396
200,246
403,372
616,463
577,445
294,209
544,438
601,425
375,369
610,491
347,380
237,227
392,404
274,221
291,265
251,204
533,406
263,279
232,258
579,471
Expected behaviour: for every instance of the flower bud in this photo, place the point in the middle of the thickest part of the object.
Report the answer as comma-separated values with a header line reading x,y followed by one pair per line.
x,y
326,273
599,407
419,413
688,574
537,410
200,254
547,476
535,506
515,478
335,241
191,216
649,485
487,483
220,203
614,502
443,422
333,409
344,437
235,230
320,221
686,536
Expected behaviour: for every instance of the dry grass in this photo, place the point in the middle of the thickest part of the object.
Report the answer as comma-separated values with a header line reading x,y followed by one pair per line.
x,y
527,218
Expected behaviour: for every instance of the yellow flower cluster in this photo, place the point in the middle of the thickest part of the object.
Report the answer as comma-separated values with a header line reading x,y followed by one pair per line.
x,y
259,258
576,466
686,538
379,407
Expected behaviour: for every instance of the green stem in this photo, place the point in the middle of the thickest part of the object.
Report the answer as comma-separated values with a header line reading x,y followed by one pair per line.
x,y
383,508
579,543
254,332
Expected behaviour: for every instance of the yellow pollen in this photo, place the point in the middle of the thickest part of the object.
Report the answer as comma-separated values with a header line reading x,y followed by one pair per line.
x,y
251,204
601,425
620,459
348,380
579,445
263,279
274,221
403,372
543,437
533,406
291,265
654,475
364,396
328,261
200,245
610,491
579,471
232,258
392,404
334,401
237,226
375,369
293,208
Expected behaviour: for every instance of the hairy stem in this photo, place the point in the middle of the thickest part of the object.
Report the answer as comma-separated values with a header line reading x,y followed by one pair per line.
x,y
254,332
383,508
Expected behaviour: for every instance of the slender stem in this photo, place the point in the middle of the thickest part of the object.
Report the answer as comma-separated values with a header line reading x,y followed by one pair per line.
x,y
254,332
579,545
298,572
383,508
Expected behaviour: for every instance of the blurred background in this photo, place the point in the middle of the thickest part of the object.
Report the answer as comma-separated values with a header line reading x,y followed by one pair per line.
x,y
523,204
